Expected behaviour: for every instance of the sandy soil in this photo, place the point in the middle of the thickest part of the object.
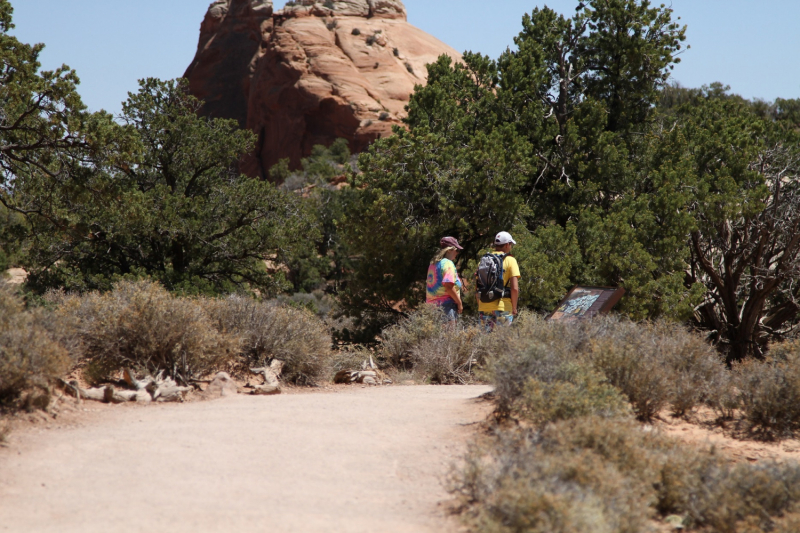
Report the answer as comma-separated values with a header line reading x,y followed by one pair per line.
x,y
700,431
360,459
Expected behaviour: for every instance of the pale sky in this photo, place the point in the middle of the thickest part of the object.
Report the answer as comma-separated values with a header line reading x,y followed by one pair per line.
x,y
753,46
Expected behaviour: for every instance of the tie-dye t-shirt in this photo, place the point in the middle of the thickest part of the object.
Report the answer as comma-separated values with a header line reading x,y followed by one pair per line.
x,y
442,272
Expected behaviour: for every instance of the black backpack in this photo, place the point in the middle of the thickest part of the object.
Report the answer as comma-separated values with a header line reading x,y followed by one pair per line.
x,y
489,278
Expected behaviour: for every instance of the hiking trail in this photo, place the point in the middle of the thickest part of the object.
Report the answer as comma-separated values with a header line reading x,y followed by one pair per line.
x,y
347,459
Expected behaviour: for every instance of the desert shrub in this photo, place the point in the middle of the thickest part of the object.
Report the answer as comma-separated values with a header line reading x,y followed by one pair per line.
x,y
318,302
352,359
270,330
141,325
384,116
517,481
396,52
371,39
29,357
534,349
633,369
621,474
332,24
769,391
654,364
697,372
401,338
409,68
449,356
582,392
356,31
659,364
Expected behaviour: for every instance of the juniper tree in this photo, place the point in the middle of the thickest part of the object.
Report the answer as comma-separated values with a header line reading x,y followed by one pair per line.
x,y
163,199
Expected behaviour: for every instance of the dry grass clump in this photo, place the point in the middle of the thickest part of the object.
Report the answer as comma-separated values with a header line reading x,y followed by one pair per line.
x,y
350,359
769,392
274,331
449,357
29,357
425,345
141,325
600,474
400,339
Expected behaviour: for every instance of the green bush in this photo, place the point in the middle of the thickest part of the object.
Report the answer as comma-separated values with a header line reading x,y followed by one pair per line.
x,y
274,331
29,356
141,325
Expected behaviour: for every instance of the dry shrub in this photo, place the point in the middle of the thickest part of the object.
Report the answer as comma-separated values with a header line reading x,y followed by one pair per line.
x,y
141,325
29,357
269,330
543,378
400,339
769,391
630,365
599,474
350,359
581,393
525,481
451,356
654,364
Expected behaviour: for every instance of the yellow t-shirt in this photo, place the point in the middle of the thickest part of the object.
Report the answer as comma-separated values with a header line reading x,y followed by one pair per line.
x,y
510,270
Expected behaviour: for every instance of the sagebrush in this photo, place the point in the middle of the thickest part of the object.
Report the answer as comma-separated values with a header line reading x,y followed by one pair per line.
x,y
140,325
30,358
270,330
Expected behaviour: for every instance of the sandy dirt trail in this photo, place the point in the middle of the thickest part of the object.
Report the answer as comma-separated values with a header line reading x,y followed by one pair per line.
x,y
355,460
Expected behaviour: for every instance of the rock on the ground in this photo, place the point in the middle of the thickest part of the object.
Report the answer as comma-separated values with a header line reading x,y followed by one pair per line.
x,y
309,73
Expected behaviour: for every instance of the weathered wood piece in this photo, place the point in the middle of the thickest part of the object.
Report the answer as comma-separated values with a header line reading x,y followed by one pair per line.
x,y
367,377
271,373
146,390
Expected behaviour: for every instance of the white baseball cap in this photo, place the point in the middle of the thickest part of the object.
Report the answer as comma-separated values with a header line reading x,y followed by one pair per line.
x,y
504,237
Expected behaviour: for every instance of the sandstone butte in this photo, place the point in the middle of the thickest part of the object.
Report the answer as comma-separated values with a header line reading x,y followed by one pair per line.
x,y
309,73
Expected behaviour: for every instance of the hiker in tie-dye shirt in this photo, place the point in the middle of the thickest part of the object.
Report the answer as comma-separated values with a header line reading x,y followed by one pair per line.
x,y
444,285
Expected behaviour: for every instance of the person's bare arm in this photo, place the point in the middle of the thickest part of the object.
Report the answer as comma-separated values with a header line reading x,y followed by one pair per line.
x,y
514,294
450,289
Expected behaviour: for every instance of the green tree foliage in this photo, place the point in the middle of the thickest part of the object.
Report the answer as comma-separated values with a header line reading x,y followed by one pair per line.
x,y
160,197
743,161
321,263
559,140
44,128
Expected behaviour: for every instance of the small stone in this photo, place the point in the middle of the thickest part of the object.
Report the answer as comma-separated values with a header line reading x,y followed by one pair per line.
x,y
676,521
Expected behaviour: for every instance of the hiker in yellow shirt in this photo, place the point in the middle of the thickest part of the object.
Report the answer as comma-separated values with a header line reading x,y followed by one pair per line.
x,y
497,297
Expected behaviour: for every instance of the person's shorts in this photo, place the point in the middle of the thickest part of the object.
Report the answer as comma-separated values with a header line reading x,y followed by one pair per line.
x,y
450,310
489,320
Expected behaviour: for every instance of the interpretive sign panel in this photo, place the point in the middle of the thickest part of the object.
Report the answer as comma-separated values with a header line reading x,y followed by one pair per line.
x,y
586,302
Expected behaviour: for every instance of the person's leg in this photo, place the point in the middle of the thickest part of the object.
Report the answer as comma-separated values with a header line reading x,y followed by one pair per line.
x,y
488,321
504,318
450,310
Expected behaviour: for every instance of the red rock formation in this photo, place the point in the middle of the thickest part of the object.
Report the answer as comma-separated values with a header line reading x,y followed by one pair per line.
x,y
309,73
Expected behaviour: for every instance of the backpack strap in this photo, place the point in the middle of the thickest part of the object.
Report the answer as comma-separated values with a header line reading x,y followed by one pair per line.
x,y
506,291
